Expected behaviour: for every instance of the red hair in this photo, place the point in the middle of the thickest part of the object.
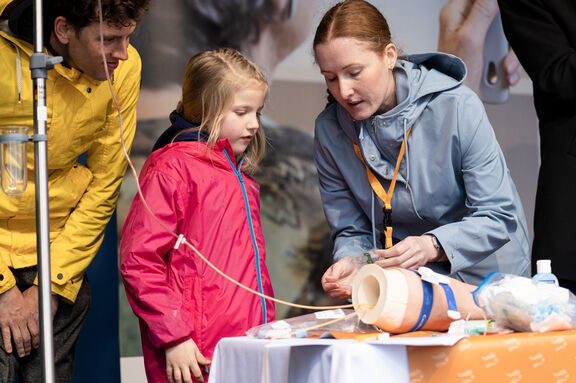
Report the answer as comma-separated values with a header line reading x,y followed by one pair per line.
x,y
356,19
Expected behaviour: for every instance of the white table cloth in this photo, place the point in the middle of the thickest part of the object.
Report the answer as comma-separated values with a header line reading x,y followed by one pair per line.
x,y
243,360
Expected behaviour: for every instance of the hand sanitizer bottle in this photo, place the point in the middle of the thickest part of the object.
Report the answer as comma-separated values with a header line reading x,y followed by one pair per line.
x,y
544,272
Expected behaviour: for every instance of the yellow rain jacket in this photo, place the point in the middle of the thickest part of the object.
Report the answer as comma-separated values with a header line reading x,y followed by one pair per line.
x,y
82,119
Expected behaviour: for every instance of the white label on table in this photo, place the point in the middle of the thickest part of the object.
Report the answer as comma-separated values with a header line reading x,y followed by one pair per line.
x,y
330,314
280,325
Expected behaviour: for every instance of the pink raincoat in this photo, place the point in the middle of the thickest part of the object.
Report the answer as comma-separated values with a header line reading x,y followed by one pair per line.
x,y
198,193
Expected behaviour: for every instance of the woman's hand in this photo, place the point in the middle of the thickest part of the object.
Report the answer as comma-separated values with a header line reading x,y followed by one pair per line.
x,y
410,253
337,280
183,359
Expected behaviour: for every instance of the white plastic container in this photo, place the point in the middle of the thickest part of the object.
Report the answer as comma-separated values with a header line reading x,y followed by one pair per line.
x,y
14,171
544,272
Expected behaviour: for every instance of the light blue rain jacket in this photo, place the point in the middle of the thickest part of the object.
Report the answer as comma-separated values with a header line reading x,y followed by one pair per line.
x,y
453,181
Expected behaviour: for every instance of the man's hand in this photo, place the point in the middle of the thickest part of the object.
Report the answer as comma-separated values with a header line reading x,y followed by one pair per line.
x,y
14,322
31,298
463,28
183,359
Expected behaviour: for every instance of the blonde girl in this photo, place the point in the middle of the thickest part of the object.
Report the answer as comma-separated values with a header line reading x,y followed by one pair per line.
x,y
197,182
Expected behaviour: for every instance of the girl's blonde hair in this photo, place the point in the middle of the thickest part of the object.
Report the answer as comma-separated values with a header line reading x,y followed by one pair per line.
x,y
210,82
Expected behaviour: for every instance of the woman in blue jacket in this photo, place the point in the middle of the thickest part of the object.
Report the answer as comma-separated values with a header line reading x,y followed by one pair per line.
x,y
408,162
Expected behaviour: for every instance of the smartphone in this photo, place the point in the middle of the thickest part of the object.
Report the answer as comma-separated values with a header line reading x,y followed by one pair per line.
x,y
493,85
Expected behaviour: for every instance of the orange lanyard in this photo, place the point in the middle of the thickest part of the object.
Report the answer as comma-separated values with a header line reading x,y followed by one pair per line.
x,y
386,197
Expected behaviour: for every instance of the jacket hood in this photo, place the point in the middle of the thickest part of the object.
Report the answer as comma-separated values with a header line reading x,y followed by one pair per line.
x,y
20,16
5,7
438,72
220,154
178,125
418,78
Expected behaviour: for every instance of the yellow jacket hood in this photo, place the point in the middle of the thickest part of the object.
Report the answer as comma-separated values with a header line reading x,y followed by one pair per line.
x,y
3,5
7,6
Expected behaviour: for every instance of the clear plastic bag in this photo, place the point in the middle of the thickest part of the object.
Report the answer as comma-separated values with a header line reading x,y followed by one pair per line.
x,y
312,325
523,304
366,257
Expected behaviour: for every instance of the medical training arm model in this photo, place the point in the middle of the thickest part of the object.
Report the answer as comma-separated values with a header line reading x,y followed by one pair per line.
x,y
400,300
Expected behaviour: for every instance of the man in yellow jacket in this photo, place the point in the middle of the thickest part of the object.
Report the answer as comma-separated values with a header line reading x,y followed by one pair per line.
x,y
82,122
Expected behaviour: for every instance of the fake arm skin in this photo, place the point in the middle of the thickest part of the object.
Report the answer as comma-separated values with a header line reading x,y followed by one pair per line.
x,y
397,300
392,298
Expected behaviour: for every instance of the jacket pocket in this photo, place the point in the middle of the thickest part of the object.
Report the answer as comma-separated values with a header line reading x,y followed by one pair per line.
x,y
66,187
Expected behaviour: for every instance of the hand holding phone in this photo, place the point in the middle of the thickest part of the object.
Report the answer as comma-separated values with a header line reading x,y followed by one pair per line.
x,y
493,84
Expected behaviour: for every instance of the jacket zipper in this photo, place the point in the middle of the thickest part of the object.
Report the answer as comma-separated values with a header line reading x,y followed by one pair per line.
x,y
250,225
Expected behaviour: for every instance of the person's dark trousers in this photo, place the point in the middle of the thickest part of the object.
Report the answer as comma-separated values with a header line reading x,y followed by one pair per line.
x,y
66,327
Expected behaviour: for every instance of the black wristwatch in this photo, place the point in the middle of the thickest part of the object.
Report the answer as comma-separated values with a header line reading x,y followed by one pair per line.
x,y
435,242
438,248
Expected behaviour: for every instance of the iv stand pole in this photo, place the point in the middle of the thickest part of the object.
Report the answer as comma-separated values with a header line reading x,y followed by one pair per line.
x,y
39,65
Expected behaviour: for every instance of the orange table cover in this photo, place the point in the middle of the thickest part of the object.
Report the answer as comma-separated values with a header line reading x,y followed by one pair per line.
x,y
511,358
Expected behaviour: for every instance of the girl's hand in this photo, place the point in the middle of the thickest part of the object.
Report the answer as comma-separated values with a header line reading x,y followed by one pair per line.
x,y
337,280
183,359
410,253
